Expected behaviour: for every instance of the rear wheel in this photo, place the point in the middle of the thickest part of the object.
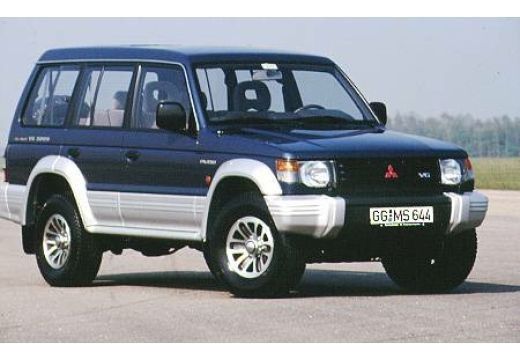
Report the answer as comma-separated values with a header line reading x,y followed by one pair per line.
x,y
415,270
66,254
247,254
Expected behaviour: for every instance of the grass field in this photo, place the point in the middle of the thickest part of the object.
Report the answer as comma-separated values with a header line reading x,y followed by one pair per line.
x,y
497,173
491,173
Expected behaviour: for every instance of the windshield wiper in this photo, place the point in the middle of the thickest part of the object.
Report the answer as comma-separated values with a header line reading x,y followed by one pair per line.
x,y
251,120
241,120
334,120
338,122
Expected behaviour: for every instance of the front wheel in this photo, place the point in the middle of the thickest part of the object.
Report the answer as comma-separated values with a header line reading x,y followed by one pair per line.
x,y
247,254
65,253
415,270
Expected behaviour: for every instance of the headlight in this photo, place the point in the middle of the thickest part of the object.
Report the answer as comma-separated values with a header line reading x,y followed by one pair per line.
x,y
451,172
313,174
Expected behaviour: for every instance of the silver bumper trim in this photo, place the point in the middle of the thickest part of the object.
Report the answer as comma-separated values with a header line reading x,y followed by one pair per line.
x,y
318,216
11,200
467,211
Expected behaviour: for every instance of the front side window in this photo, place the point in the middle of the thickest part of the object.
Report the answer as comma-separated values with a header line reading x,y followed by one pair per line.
x,y
213,81
289,94
159,84
104,95
51,96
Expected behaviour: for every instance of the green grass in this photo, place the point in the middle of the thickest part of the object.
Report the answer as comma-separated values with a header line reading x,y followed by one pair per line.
x,y
497,173
490,173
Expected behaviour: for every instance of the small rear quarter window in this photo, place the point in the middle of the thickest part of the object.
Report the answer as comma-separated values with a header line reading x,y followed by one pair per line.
x,y
51,96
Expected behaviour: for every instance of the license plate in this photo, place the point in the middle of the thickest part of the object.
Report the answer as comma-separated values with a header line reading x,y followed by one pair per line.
x,y
401,216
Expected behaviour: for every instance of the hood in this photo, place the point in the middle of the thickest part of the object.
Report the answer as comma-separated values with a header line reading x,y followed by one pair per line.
x,y
374,143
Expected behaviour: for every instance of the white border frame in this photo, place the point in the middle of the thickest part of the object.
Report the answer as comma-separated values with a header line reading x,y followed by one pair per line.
x,y
266,8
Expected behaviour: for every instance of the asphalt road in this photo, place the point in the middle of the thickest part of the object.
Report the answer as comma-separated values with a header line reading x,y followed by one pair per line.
x,y
175,299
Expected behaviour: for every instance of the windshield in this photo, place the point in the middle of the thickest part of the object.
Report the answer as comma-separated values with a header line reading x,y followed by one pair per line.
x,y
285,94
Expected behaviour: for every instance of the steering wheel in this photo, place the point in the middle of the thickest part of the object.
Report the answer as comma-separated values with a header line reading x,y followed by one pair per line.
x,y
309,107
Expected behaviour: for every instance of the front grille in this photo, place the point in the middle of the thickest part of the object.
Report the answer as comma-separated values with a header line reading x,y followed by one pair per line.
x,y
367,176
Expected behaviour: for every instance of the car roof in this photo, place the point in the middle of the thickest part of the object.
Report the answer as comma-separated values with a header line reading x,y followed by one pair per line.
x,y
178,54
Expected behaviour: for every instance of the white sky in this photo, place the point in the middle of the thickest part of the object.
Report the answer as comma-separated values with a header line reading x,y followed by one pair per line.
x,y
426,66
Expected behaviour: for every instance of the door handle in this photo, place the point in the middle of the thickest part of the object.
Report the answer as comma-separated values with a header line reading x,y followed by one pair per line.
x,y
73,153
132,156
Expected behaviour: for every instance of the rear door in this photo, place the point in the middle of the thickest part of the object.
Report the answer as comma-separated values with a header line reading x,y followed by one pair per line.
x,y
95,135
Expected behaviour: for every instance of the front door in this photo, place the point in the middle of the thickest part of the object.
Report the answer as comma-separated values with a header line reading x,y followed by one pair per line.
x,y
162,187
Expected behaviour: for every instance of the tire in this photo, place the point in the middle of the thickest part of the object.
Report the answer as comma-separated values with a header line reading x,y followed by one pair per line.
x,y
81,256
414,270
207,257
297,274
247,254
28,239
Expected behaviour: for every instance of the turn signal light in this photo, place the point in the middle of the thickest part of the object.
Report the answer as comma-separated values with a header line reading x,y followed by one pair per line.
x,y
287,170
287,165
467,164
468,173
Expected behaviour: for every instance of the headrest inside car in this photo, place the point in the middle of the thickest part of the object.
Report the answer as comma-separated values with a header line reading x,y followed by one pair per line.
x,y
251,95
157,91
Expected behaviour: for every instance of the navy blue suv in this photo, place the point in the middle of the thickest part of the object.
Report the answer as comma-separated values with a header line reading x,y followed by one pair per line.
x,y
264,161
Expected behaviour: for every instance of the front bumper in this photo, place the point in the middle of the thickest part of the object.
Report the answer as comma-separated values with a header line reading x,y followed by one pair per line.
x,y
468,211
321,216
318,216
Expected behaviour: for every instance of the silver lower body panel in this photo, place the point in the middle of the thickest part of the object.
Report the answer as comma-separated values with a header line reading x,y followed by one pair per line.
x,y
11,201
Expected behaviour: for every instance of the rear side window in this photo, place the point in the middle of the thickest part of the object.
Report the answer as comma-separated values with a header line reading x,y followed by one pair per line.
x,y
50,98
103,97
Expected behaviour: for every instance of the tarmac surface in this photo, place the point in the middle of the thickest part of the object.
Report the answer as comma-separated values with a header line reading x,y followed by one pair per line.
x,y
175,299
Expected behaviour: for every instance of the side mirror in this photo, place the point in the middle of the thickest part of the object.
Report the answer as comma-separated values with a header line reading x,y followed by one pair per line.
x,y
171,116
380,110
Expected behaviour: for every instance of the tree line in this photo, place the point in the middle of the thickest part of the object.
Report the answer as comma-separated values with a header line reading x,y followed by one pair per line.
x,y
494,137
